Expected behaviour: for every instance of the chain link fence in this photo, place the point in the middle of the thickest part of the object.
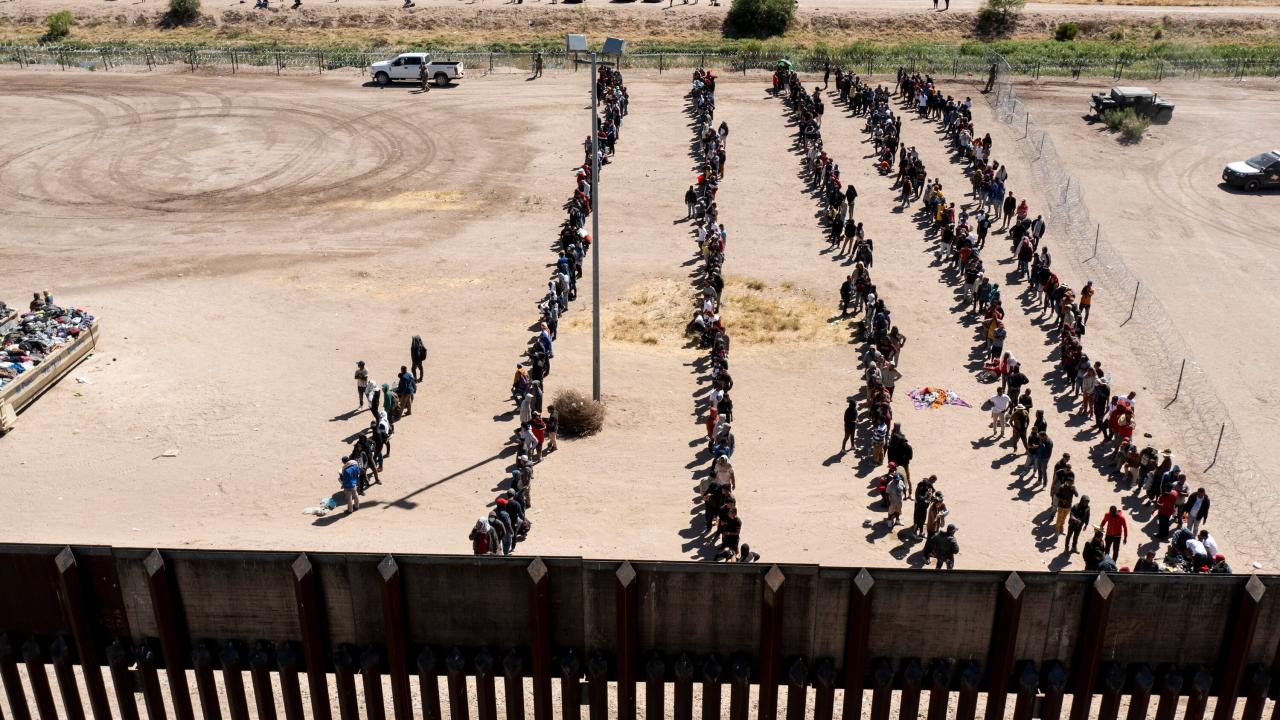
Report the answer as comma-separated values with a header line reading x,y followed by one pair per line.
x,y
1209,444
940,61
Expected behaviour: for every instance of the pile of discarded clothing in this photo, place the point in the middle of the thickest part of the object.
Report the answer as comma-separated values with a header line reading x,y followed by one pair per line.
x,y
36,335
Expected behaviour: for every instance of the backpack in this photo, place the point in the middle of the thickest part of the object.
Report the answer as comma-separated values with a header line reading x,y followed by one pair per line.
x,y
482,544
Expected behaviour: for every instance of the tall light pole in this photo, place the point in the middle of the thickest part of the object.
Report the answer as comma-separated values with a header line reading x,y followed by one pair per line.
x,y
576,44
595,234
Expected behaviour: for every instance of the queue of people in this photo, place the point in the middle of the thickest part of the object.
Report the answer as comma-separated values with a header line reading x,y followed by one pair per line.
x,y
883,341
507,524
363,465
716,489
961,236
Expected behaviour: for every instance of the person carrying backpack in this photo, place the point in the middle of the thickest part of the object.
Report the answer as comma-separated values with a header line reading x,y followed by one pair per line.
x,y
417,356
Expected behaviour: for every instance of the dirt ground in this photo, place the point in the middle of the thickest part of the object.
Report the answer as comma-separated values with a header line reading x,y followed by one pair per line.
x,y
246,240
1207,250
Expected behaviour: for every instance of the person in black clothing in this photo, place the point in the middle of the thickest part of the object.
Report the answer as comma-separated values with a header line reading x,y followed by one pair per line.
x,y
850,424
690,202
730,532
1147,563
900,451
1078,520
418,356
924,498
851,194
362,451
1094,552
846,296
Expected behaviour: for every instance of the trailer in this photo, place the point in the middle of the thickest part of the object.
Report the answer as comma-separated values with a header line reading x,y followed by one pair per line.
x,y
30,385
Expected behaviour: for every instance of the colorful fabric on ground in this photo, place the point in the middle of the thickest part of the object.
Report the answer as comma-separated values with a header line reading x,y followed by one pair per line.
x,y
935,397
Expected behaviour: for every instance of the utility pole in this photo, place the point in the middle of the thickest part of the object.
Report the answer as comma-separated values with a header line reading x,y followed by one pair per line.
x,y
595,235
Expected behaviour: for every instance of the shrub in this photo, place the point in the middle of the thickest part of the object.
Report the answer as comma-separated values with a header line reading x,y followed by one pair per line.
x,y
759,18
579,416
1066,31
998,17
182,12
1128,123
59,25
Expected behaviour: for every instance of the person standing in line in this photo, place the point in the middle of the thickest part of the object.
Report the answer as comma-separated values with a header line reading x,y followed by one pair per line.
x,y
946,547
1065,496
1115,529
999,407
362,383
1165,508
405,390
553,428
417,356
1197,509
1078,521
690,203
1086,301
349,477
850,425
1010,205
1044,451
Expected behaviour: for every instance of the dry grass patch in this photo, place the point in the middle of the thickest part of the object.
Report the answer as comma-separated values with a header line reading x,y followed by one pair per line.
x,y
657,312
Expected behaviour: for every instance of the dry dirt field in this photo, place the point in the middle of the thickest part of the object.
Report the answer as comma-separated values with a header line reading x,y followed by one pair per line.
x,y
246,240
1208,251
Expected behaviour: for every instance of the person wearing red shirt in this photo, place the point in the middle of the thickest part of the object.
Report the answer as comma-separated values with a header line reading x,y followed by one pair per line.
x,y
1116,529
1166,506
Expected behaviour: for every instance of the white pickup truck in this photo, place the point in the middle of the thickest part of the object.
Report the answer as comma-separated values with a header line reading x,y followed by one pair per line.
x,y
409,66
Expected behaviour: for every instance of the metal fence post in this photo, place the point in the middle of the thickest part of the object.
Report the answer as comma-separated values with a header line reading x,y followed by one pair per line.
x,y
1221,431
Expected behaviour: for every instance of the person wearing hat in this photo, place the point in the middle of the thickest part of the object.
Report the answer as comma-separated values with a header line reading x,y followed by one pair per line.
x,y
938,513
1220,566
895,491
362,383
924,498
945,548
349,478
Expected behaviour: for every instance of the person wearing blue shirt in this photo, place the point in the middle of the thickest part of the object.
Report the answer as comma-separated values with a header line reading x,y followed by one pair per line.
x,y
350,479
406,389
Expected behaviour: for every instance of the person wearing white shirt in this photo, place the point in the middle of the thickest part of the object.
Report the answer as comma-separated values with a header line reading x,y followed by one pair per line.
x,y
1208,543
999,406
